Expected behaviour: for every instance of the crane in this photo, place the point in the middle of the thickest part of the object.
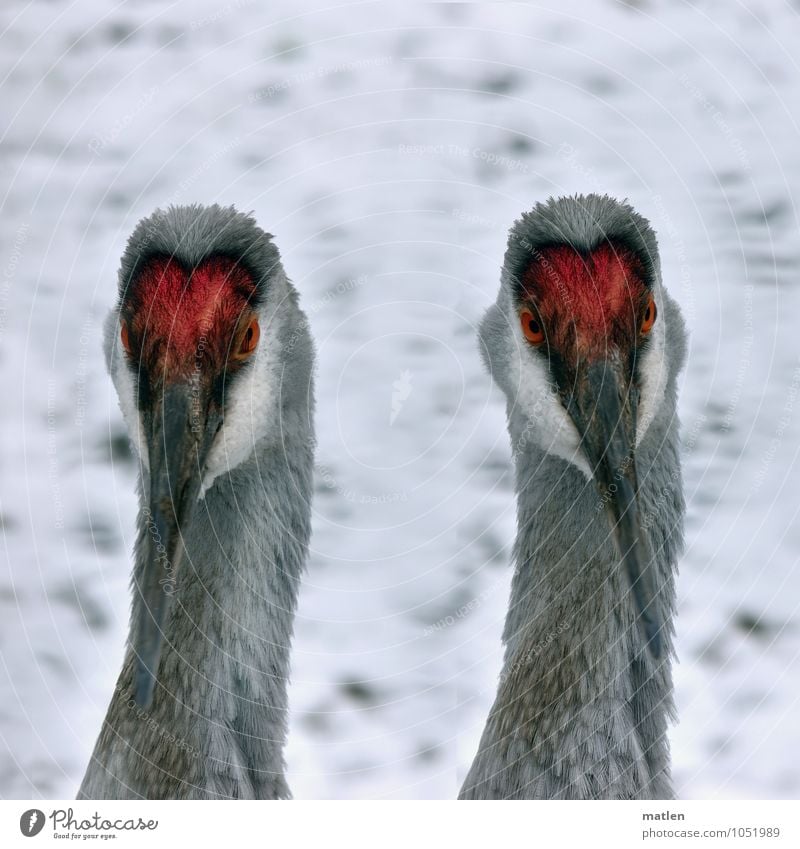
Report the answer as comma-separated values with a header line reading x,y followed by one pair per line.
x,y
212,360
586,345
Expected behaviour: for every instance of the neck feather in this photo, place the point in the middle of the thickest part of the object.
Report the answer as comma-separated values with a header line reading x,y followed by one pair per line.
x,y
218,721
581,709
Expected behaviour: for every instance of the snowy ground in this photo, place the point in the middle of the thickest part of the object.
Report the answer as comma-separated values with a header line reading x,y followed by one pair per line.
x,y
389,149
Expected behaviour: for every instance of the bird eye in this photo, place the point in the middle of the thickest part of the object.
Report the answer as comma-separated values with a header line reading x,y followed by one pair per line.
x,y
124,336
531,327
249,339
649,317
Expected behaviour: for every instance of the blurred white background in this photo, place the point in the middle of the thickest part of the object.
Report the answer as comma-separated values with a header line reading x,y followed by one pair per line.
x,y
389,149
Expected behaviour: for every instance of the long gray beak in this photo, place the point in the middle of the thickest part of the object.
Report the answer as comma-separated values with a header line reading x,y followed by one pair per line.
x,y
603,407
179,434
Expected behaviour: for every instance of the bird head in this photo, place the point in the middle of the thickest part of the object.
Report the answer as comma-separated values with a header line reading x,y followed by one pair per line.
x,y
193,346
577,342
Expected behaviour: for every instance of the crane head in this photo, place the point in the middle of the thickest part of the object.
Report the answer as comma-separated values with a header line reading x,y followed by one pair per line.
x,y
577,343
191,346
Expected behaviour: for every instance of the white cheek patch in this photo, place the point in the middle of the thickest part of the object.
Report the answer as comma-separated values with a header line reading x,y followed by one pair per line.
x,y
250,412
547,424
653,374
123,379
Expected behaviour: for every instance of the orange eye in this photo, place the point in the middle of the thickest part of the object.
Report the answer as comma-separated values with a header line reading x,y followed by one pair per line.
x,y
649,317
249,340
531,327
124,337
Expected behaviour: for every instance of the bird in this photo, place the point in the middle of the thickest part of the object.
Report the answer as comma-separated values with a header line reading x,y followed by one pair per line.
x,y
587,346
212,360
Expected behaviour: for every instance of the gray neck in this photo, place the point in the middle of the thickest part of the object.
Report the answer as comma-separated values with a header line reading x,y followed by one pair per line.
x,y
581,708
218,721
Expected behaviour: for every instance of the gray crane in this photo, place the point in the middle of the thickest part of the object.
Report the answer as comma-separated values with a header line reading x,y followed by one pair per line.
x,y
586,344
212,360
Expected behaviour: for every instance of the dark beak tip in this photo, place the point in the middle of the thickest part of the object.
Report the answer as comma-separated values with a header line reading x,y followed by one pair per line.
x,y
144,685
652,632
